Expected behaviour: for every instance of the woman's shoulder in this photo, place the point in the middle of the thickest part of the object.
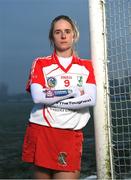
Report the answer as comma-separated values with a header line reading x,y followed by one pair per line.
x,y
87,63
42,60
84,61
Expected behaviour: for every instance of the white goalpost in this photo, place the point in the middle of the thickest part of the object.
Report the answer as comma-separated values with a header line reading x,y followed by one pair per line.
x,y
98,55
110,31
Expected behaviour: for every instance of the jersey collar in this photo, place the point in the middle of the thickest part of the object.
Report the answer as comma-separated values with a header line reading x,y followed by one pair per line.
x,y
55,58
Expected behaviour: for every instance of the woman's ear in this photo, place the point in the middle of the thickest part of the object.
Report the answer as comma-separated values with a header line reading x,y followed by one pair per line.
x,y
74,37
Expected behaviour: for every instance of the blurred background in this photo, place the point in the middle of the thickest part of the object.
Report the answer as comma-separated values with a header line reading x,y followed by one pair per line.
x,y
24,27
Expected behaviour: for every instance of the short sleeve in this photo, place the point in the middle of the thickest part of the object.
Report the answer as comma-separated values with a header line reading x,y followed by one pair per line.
x,y
36,74
91,77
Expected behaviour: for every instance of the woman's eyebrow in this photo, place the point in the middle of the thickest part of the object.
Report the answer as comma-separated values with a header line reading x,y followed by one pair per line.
x,y
61,30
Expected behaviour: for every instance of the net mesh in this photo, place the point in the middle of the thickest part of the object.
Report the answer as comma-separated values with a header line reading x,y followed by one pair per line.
x,y
118,25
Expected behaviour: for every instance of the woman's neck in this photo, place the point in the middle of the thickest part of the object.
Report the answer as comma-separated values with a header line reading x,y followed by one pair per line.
x,y
64,53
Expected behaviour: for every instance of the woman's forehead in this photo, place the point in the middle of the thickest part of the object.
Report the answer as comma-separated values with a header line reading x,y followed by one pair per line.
x,y
62,24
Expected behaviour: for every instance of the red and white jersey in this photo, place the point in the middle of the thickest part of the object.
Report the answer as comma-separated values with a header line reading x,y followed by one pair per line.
x,y
48,72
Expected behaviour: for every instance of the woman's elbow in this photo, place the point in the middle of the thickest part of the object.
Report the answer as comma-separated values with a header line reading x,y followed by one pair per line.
x,y
36,100
94,101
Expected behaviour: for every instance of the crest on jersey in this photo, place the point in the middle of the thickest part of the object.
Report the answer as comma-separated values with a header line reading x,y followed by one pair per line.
x,y
51,81
79,81
62,158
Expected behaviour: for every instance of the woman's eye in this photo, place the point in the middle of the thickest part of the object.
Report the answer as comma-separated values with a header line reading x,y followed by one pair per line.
x,y
57,32
68,31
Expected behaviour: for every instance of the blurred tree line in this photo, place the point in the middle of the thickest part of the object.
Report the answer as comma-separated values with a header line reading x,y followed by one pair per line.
x,y
5,96
3,91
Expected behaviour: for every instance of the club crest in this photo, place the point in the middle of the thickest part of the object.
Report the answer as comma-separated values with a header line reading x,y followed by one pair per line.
x,y
62,158
51,81
79,81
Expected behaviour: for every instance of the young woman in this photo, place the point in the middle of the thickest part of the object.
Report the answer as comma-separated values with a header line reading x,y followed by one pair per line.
x,y
62,87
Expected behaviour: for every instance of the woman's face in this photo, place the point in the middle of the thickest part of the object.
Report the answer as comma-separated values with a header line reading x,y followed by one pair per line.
x,y
63,36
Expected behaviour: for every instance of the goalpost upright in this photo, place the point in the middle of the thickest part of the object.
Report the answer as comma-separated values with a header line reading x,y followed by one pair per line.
x,y
101,110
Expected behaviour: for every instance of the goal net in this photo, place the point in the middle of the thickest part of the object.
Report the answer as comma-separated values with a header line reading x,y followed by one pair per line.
x,y
118,26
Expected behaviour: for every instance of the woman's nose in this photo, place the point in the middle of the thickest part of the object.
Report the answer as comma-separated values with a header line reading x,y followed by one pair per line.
x,y
63,35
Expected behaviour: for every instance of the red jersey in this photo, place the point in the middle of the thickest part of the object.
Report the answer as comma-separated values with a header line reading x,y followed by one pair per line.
x,y
48,72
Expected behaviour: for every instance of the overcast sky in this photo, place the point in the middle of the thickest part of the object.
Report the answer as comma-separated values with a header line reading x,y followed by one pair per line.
x,y
24,26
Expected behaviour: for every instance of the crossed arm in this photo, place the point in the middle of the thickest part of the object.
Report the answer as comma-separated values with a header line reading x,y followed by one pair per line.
x,y
77,99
